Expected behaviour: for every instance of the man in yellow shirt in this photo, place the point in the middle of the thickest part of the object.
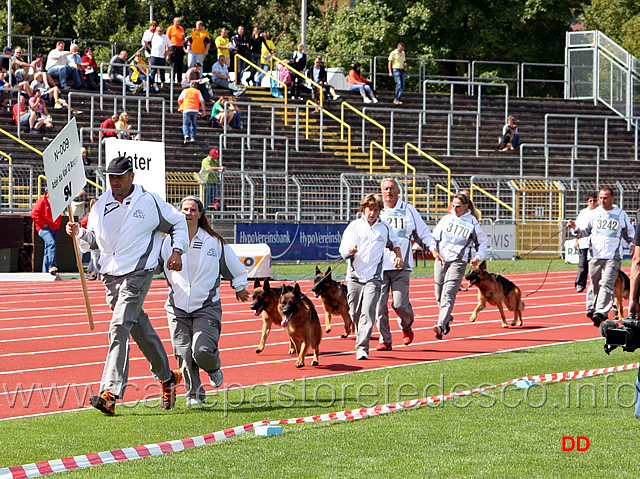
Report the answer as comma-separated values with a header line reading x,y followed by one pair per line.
x,y
397,69
198,45
224,47
176,34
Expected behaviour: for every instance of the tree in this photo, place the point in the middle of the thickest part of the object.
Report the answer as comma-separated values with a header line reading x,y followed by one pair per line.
x,y
618,19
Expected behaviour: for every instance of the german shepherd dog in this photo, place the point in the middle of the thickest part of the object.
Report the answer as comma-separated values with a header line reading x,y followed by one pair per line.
x,y
622,287
266,300
301,322
334,300
496,290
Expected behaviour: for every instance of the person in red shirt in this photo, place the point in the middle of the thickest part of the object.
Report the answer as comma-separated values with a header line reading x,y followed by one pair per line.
x,y
109,123
48,231
20,113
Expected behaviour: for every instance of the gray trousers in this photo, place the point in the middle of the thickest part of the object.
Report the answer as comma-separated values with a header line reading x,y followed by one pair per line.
x,y
601,291
195,339
125,296
363,302
447,278
398,282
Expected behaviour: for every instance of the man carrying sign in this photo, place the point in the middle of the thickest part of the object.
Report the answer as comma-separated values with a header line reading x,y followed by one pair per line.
x,y
126,226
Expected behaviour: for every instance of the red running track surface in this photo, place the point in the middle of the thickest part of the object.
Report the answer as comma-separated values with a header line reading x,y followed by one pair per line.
x,y
51,361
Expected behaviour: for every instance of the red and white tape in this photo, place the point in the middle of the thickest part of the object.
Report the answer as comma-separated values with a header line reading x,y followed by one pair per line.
x,y
119,455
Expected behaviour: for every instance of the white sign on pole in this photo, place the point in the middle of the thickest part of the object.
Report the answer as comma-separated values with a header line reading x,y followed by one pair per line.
x,y
64,168
147,158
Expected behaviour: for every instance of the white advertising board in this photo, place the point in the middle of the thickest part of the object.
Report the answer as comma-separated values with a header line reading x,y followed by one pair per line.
x,y
64,169
147,158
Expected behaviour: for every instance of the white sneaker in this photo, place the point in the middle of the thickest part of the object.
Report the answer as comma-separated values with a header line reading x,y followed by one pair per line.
x,y
362,355
366,99
217,378
57,106
335,97
374,100
195,402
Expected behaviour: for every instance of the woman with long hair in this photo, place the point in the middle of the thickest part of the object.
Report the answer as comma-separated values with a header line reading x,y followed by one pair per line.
x,y
455,234
193,307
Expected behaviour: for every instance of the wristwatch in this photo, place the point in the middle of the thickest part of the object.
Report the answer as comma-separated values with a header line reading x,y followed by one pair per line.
x,y
178,250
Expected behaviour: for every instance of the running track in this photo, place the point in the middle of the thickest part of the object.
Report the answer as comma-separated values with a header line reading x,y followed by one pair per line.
x,y
51,361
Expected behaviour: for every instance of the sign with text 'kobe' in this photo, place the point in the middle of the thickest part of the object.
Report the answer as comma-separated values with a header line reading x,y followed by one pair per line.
x,y
64,168
147,158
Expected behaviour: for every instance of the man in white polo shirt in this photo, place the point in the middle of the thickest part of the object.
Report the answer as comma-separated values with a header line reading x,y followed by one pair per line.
x,y
126,226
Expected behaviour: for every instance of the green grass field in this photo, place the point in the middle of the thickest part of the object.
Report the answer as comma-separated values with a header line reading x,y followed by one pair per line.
x,y
502,433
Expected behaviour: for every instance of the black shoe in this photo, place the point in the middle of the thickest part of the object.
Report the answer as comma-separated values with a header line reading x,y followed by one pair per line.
x,y
579,288
590,313
598,318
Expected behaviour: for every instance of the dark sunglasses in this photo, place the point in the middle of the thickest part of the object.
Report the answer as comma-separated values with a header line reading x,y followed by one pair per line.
x,y
458,206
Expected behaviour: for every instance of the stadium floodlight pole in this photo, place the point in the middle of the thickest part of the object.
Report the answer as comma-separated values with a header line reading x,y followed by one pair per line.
x,y
303,23
9,23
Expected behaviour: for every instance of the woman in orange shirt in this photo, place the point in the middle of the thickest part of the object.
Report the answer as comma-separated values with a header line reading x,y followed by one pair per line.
x,y
360,83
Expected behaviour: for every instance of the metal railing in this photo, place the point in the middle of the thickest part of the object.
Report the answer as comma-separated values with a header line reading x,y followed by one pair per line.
x,y
573,148
139,100
365,119
245,138
606,118
302,77
125,67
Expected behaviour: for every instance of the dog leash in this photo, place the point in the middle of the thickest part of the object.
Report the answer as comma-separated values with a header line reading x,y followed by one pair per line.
x,y
331,264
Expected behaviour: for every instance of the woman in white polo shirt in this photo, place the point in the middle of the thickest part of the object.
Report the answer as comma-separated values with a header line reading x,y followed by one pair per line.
x,y
193,307
455,235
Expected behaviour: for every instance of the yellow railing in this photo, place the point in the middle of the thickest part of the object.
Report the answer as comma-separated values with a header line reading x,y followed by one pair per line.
x,y
341,122
283,85
489,195
302,76
370,120
407,146
407,166
447,192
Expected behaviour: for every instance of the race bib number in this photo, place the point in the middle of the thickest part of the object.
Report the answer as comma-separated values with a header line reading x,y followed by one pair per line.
x,y
458,231
606,225
397,219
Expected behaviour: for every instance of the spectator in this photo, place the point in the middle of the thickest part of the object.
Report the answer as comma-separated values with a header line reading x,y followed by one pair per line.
x,y
284,75
255,43
5,95
510,139
147,36
58,66
137,80
47,230
241,47
208,172
233,115
298,61
117,73
160,50
363,245
220,74
198,45
195,74
109,123
359,83
48,92
5,65
75,61
93,272
176,35
397,70
319,75
190,102
20,113
123,124
90,67
37,65
266,52
193,306
223,45
20,66
42,117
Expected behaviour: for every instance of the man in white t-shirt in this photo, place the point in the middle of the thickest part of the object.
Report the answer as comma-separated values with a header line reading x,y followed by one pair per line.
x,y
606,227
160,50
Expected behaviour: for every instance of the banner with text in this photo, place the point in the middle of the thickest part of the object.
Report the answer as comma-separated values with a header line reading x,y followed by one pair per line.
x,y
294,241
147,158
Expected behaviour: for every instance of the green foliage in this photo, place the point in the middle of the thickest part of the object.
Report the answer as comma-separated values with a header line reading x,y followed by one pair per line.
x,y
618,19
